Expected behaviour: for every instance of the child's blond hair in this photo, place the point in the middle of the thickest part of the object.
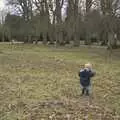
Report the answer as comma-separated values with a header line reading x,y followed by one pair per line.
x,y
88,65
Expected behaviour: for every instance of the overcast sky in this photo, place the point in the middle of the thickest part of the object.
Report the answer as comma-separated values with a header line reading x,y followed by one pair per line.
x,y
1,4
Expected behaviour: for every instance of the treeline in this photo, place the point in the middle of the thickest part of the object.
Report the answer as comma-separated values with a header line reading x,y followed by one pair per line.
x,y
62,21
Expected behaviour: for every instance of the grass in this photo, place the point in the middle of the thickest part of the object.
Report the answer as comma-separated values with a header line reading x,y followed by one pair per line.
x,y
42,83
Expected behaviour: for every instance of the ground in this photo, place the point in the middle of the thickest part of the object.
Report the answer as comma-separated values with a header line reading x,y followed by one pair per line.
x,y
42,83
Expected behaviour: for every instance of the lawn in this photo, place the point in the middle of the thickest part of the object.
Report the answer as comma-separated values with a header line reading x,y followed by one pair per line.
x,y
42,83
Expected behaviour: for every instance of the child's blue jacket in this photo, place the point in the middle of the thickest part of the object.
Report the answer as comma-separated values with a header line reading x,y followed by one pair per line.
x,y
85,75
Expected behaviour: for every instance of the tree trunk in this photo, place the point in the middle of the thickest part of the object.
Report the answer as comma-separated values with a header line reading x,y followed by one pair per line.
x,y
88,5
44,38
59,39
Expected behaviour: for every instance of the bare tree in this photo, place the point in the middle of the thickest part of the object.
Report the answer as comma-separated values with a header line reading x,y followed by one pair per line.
x,y
73,20
88,5
45,17
25,7
42,8
88,8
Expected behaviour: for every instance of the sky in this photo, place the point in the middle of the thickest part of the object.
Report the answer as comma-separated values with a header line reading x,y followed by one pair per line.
x,y
1,4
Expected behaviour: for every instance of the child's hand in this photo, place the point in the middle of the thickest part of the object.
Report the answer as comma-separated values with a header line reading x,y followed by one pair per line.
x,y
94,73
